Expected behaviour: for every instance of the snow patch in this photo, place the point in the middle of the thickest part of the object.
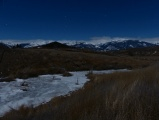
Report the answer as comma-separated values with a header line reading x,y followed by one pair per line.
x,y
39,90
131,46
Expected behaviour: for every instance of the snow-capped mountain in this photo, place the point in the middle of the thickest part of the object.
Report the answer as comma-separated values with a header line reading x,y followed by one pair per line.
x,y
126,44
115,45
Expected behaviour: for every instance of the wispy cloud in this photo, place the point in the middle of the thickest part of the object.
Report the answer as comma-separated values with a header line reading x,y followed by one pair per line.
x,y
97,40
151,40
109,39
105,39
33,42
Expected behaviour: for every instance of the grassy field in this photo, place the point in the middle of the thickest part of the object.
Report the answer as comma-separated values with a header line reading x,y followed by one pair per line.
x,y
118,96
24,63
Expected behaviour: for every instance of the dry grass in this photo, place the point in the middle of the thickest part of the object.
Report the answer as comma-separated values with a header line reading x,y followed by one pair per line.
x,y
119,96
66,74
24,63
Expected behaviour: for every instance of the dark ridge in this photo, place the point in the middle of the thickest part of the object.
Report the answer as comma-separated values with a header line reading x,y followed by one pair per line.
x,y
22,45
54,45
3,46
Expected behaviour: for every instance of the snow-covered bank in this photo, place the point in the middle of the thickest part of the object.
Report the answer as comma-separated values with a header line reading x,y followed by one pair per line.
x,y
39,90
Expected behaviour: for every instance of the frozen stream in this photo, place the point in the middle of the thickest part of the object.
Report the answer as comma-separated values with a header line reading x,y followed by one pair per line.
x,y
39,90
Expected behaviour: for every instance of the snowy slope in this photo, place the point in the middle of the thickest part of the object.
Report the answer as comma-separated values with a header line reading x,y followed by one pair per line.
x,y
39,90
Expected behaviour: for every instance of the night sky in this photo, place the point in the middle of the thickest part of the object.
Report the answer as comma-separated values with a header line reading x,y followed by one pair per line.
x,y
78,19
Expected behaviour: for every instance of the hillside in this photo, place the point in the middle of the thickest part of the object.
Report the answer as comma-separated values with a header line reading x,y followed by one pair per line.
x,y
24,63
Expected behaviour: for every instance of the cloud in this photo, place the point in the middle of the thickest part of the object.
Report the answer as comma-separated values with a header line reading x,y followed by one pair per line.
x,y
33,42
105,39
97,40
151,40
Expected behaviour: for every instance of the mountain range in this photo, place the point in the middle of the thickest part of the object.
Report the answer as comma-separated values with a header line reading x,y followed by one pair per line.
x,y
115,45
108,46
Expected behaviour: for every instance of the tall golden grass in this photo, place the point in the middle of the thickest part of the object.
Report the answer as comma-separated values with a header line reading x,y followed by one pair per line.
x,y
132,95
25,63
